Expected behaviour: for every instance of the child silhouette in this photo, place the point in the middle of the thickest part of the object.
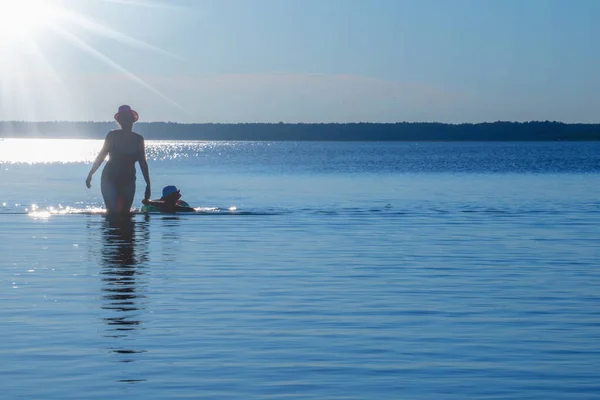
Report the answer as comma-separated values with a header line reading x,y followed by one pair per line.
x,y
170,202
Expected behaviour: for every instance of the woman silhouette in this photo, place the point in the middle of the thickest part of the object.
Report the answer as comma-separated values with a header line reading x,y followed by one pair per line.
x,y
124,147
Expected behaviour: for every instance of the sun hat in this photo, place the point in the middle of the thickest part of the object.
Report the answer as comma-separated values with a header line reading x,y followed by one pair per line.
x,y
127,109
167,190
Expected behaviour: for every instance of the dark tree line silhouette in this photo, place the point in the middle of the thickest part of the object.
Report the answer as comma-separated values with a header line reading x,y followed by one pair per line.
x,y
401,131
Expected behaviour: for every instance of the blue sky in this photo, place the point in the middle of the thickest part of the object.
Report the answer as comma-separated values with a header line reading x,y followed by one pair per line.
x,y
322,61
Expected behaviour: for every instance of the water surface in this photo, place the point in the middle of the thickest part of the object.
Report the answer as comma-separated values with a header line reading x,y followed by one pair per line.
x,y
324,271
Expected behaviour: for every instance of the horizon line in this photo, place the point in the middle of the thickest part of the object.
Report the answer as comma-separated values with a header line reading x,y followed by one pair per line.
x,y
302,123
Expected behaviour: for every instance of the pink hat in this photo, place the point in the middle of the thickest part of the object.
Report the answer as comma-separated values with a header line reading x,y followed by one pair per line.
x,y
127,109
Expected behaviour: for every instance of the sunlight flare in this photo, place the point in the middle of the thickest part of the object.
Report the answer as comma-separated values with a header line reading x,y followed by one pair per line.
x,y
20,18
27,72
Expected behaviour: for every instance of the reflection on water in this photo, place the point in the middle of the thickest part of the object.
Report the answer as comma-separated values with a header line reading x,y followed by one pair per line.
x,y
171,238
124,253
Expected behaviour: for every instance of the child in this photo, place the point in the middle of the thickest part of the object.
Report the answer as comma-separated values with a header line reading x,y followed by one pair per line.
x,y
170,202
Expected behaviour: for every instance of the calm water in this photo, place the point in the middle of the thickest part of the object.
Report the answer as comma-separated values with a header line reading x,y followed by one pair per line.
x,y
314,270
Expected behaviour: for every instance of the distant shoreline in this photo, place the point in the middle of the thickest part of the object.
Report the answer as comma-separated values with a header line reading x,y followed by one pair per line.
x,y
401,131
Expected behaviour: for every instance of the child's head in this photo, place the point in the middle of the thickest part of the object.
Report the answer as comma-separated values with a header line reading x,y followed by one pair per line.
x,y
170,193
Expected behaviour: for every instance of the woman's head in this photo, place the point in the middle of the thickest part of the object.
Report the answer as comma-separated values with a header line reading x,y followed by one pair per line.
x,y
126,117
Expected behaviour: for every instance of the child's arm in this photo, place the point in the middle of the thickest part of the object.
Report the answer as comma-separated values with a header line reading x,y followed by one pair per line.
x,y
184,206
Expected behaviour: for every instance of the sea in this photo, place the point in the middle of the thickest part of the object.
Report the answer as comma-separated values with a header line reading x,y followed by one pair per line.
x,y
310,270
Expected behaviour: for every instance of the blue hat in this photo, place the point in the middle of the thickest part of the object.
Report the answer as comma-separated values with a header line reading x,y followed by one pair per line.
x,y
167,190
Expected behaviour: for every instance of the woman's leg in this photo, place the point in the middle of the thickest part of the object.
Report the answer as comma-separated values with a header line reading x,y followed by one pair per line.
x,y
126,195
110,193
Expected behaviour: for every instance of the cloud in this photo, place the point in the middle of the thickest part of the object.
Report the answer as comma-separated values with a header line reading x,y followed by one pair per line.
x,y
274,97
269,97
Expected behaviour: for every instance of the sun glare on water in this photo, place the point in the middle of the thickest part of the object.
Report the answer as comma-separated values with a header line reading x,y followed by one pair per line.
x,y
33,151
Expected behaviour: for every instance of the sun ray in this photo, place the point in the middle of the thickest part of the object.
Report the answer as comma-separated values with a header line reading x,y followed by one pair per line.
x,y
27,72
41,61
144,3
15,86
102,30
82,45
26,76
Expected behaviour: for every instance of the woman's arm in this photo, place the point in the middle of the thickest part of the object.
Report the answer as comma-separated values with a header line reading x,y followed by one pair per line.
x,y
99,160
144,167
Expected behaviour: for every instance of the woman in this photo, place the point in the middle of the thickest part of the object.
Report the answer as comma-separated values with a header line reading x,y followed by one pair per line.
x,y
124,147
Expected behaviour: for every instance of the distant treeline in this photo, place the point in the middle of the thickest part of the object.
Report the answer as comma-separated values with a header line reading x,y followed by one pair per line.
x,y
401,131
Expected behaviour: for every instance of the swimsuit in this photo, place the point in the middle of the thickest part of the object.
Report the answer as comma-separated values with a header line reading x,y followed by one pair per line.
x,y
118,177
